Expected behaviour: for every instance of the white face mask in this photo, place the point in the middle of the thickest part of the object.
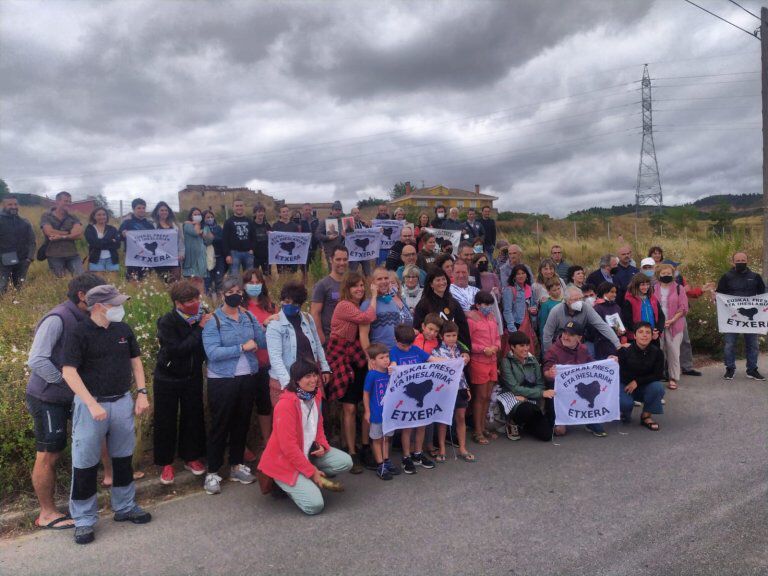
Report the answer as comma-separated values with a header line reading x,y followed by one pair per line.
x,y
115,314
577,306
197,218
590,300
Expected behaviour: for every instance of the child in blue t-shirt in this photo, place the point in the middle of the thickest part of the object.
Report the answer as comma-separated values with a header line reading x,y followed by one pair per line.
x,y
402,354
376,382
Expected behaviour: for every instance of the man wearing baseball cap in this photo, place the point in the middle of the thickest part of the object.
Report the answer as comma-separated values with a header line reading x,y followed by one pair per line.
x,y
101,359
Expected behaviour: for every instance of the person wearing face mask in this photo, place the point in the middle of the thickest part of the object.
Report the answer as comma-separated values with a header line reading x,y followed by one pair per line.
x,y
17,245
609,310
298,457
196,237
101,360
179,416
575,310
641,304
215,262
231,339
291,337
741,281
647,267
440,216
488,281
674,304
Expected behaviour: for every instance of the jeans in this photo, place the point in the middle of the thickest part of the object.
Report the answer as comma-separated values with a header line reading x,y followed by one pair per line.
x,y
240,260
87,437
305,493
366,267
230,402
103,265
16,274
750,343
650,395
58,264
178,406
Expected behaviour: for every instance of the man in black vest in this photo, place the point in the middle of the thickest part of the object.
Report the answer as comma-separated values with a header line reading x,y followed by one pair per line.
x,y
49,399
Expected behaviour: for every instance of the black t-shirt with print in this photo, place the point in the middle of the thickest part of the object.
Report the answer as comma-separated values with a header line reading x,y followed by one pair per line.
x,y
102,356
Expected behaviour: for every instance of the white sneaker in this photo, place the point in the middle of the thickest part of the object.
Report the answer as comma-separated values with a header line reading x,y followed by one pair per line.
x,y
241,473
212,484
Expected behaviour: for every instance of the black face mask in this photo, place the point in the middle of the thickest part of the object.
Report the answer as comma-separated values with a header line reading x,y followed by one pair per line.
x,y
482,266
614,270
666,279
740,266
233,300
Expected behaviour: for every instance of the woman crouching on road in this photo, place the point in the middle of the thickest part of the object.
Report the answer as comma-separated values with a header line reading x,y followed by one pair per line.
x,y
298,455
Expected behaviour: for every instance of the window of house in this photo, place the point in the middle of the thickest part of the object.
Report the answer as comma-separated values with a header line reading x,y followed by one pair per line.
x,y
421,203
460,203
473,203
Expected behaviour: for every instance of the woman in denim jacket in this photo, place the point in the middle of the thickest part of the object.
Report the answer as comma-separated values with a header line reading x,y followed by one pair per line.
x,y
231,339
291,336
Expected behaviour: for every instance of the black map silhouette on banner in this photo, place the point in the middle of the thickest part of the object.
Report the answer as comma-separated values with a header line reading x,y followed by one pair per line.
x,y
288,247
151,246
362,243
748,312
418,391
588,392
387,232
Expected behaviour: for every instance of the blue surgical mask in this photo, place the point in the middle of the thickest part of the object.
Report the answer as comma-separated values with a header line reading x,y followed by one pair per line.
x,y
648,273
253,289
485,310
210,221
291,309
478,249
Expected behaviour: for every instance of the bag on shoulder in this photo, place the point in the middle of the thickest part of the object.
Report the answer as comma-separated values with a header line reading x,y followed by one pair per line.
x,y
42,252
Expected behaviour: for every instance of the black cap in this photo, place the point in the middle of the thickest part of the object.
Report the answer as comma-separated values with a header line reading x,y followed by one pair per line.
x,y
573,328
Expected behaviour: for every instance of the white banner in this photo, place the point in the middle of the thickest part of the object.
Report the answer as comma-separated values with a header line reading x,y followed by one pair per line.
x,y
363,244
742,314
390,230
151,248
289,248
587,393
420,394
442,235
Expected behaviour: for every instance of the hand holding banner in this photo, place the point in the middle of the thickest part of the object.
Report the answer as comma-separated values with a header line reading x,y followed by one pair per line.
x,y
454,236
289,248
420,394
742,314
363,244
152,248
390,230
587,393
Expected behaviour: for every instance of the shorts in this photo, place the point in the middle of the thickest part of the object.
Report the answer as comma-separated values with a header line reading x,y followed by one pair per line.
x,y
377,431
482,373
462,399
354,393
275,390
50,424
262,399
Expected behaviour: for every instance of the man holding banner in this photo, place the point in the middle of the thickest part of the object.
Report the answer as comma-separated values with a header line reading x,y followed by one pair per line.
x,y
742,308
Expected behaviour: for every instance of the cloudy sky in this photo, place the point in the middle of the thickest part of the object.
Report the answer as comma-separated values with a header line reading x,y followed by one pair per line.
x,y
537,101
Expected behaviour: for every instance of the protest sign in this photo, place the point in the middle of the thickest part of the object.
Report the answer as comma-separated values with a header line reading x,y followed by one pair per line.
x,y
420,394
390,231
742,314
587,393
363,244
152,248
454,236
289,248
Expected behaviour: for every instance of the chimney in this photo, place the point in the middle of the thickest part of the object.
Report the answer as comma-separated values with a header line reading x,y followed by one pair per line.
x,y
477,189
407,188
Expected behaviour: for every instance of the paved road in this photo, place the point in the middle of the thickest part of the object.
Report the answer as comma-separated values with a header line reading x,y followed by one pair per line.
x,y
689,500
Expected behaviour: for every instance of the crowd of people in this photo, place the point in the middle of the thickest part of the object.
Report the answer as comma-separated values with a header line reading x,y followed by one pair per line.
x,y
421,301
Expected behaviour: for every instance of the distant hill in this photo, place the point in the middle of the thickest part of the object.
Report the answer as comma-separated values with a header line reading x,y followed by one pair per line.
x,y
742,204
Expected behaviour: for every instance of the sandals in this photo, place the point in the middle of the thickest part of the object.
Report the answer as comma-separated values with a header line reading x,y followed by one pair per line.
x,y
439,458
491,435
649,423
467,456
478,438
672,385
434,453
54,524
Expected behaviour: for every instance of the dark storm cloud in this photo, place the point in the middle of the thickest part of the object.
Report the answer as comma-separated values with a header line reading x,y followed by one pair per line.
x,y
536,101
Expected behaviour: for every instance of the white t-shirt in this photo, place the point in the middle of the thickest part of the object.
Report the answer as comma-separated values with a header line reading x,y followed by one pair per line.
x,y
308,423
664,293
104,254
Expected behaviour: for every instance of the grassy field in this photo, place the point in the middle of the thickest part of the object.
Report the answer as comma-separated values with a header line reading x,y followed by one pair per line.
x,y
704,259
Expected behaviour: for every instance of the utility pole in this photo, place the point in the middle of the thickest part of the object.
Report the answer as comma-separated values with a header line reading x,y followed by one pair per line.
x,y
764,67
648,190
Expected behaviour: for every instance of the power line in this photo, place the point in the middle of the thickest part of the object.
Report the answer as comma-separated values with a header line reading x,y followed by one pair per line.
x,y
703,98
745,10
753,34
700,76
